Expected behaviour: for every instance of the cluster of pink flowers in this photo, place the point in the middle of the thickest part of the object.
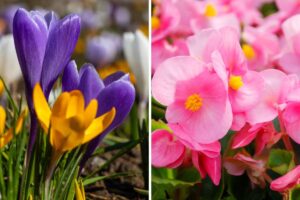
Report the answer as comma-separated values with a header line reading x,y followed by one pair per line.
x,y
220,66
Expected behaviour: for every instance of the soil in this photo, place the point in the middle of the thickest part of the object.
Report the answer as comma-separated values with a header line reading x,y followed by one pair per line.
x,y
121,188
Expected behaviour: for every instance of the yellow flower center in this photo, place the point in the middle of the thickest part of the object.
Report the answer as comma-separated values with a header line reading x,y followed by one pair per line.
x,y
193,103
155,22
210,10
235,82
248,51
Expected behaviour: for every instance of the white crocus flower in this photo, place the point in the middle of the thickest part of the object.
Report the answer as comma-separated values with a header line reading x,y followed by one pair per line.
x,y
137,54
9,66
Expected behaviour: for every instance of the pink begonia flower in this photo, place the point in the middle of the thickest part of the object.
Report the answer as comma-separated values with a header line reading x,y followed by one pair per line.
x,y
226,41
241,163
287,181
247,11
188,12
162,49
260,48
210,150
290,59
166,150
222,48
264,135
288,7
165,20
208,166
291,115
196,99
214,15
277,87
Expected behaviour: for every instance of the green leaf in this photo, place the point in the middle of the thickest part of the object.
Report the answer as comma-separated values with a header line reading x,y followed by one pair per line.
x,y
100,178
281,161
209,191
172,182
268,9
295,194
159,125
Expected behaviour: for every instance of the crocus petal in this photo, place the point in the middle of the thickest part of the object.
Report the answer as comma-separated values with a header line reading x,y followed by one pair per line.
x,y
2,119
120,95
99,125
20,121
136,52
287,181
90,112
41,106
114,77
70,78
166,150
79,191
75,104
90,83
30,35
6,138
61,104
61,42
9,66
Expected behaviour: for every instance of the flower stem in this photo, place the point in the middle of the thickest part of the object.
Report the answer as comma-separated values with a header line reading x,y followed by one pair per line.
x,y
54,158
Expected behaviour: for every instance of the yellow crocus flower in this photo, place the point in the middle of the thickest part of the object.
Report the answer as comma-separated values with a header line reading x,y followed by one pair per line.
x,y
6,137
79,191
71,123
1,87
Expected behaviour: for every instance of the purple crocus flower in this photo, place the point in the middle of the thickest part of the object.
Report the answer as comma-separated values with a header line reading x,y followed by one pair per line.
x,y
103,49
114,91
44,45
8,14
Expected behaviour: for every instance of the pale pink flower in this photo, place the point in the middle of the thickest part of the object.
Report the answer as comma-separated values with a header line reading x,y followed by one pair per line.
x,y
210,166
291,115
167,151
188,12
165,20
162,49
264,135
241,163
287,181
276,88
247,11
212,14
261,47
290,59
222,48
196,99
288,7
